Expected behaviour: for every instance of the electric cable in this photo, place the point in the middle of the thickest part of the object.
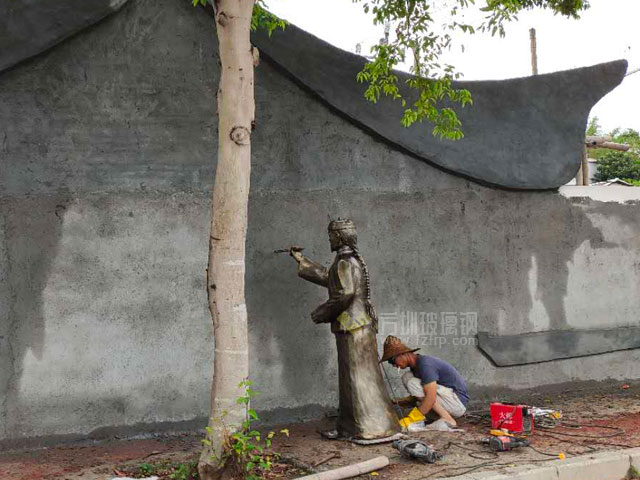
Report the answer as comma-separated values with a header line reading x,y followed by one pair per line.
x,y
555,455
386,376
632,72
584,439
474,452
618,431
485,464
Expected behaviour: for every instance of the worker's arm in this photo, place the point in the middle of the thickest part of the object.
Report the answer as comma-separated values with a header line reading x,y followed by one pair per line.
x,y
418,413
430,392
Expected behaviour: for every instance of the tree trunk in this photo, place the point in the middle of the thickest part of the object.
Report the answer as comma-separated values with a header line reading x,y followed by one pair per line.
x,y
585,168
226,270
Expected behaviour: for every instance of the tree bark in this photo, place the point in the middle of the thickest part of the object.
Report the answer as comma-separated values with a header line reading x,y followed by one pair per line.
x,y
226,269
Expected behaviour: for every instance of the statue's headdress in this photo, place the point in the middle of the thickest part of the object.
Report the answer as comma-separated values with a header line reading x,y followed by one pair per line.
x,y
340,224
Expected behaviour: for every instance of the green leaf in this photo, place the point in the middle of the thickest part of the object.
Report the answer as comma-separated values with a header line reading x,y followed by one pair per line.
x,y
418,37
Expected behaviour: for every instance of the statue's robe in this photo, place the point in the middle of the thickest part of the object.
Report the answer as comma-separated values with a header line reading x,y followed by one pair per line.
x,y
365,407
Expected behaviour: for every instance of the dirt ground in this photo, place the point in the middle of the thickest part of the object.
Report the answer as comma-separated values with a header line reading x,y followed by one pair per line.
x,y
594,422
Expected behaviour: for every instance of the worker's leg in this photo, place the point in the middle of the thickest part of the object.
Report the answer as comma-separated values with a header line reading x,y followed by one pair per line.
x,y
442,413
413,385
448,406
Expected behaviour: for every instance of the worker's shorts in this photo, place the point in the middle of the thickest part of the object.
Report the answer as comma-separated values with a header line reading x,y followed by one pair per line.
x,y
445,396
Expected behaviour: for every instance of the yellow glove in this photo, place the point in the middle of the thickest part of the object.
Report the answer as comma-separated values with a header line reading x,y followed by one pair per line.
x,y
414,416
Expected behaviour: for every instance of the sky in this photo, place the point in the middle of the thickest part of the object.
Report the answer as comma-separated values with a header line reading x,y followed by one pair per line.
x,y
609,30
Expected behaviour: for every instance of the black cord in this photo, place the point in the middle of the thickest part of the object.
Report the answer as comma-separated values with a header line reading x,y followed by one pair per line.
x,y
618,431
476,453
481,416
587,438
485,464
392,390
555,455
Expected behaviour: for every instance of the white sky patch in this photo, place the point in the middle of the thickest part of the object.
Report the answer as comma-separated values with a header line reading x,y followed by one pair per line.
x,y
607,31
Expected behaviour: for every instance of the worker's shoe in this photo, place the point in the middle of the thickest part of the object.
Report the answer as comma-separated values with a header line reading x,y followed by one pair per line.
x,y
414,416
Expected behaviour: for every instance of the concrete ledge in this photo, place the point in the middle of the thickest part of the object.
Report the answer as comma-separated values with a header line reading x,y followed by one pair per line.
x,y
603,194
522,472
634,455
599,466
613,465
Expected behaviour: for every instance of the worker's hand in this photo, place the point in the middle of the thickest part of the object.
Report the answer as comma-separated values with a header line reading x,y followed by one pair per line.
x,y
414,416
296,254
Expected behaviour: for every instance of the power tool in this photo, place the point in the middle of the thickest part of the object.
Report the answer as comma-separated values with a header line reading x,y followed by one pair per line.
x,y
504,443
417,449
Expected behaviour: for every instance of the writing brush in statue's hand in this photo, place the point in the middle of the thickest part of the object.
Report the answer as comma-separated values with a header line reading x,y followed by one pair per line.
x,y
296,253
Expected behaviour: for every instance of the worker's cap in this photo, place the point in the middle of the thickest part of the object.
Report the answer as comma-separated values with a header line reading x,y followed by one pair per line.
x,y
393,347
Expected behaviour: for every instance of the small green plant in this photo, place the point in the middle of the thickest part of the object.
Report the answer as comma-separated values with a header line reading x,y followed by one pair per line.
x,y
184,471
244,447
634,473
147,469
164,469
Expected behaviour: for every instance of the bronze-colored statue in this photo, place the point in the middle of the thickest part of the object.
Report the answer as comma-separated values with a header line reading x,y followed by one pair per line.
x,y
365,407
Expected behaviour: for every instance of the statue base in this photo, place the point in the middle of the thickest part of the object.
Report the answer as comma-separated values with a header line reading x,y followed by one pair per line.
x,y
335,435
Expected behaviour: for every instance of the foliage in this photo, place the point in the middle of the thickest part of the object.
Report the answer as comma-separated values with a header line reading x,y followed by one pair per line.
x,y
165,469
264,19
147,469
184,471
593,128
430,94
630,137
244,448
261,17
432,83
614,164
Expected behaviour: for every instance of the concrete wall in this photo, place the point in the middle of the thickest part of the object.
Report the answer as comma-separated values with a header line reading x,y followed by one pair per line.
x,y
107,155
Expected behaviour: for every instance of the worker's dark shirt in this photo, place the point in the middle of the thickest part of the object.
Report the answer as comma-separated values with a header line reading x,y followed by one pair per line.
x,y
431,369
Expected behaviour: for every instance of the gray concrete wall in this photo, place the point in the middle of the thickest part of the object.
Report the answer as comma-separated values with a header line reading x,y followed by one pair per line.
x,y
107,155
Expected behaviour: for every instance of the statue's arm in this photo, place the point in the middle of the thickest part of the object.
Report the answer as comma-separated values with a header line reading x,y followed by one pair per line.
x,y
313,272
340,299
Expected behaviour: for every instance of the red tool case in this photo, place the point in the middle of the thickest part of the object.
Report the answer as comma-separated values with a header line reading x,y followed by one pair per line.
x,y
515,418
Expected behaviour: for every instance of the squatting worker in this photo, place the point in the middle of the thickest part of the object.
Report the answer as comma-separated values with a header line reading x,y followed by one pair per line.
x,y
434,383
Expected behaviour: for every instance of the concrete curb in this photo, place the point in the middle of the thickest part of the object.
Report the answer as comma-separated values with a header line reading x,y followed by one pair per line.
x,y
613,465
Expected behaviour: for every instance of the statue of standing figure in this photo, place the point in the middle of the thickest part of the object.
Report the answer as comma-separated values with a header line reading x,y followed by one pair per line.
x,y
365,407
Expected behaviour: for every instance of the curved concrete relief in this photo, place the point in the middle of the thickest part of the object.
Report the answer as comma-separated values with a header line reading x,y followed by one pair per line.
x,y
523,133
30,27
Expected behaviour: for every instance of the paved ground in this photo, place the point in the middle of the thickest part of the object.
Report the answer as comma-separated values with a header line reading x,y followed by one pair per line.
x,y
607,422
